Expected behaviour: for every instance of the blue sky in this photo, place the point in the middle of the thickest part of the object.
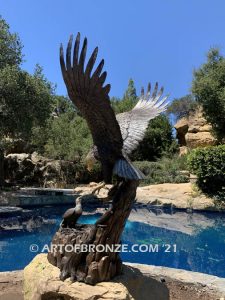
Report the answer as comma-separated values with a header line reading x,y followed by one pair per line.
x,y
160,40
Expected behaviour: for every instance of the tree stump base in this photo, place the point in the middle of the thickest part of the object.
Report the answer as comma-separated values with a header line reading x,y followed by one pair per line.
x,y
74,250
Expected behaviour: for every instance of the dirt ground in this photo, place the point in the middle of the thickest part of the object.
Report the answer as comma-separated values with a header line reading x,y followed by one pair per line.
x,y
11,285
11,288
180,291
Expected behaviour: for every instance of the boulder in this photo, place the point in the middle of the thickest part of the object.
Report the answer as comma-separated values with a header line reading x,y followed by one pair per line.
x,y
199,139
19,168
194,131
17,146
166,194
34,169
18,156
138,282
41,281
36,158
182,128
183,150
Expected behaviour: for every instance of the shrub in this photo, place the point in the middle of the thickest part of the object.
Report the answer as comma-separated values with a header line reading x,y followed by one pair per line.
x,y
67,138
165,170
209,165
208,88
157,141
181,107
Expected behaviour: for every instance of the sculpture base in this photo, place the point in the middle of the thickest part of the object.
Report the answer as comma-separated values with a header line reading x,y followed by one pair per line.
x,y
67,255
101,262
41,282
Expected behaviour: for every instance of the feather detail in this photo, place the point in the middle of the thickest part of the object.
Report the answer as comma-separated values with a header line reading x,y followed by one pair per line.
x,y
133,124
125,169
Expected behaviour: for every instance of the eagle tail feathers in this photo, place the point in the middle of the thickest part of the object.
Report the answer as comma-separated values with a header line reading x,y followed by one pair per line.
x,y
125,169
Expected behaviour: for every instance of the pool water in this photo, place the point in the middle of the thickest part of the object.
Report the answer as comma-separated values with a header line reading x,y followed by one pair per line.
x,y
199,246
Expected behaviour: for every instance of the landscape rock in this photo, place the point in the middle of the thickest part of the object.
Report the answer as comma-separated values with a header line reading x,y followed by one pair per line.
x,y
194,131
169,195
199,139
139,282
34,169
183,150
11,285
45,284
174,195
17,146
182,128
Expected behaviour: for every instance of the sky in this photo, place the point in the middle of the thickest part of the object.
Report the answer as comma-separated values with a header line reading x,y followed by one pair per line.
x,y
146,40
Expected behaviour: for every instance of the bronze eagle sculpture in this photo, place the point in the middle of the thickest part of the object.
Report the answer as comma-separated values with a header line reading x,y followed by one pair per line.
x,y
114,137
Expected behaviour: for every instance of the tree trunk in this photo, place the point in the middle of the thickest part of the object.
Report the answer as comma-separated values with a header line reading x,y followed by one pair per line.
x,y
2,177
94,266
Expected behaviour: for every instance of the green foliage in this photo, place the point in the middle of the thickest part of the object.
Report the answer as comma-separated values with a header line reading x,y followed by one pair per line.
x,y
128,101
68,138
158,137
66,134
209,165
182,106
131,91
40,77
10,56
164,170
64,105
25,102
120,106
208,88
158,140
10,46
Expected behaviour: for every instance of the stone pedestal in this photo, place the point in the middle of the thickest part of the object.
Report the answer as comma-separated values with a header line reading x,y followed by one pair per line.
x,y
138,282
41,282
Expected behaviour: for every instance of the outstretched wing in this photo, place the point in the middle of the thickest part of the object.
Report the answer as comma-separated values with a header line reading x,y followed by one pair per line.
x,y
134,123
85,89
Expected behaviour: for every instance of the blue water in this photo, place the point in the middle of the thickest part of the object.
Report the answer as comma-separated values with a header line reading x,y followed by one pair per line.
x,y
200,248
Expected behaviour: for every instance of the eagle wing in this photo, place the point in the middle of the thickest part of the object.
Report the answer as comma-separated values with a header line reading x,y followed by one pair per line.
x,y
134,123
86,89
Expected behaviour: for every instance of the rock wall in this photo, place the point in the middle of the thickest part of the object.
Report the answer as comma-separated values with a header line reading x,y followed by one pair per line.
x,y
194,131
33,169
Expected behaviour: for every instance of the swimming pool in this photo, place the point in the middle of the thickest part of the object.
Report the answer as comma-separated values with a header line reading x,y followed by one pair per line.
x,y
198,238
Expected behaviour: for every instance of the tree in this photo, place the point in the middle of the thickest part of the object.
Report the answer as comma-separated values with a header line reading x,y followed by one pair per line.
x,y
158,140
25,100
10,46
158,137
208,87
131,91
66,134
68,138
128,101
10,55
63,105
180,107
